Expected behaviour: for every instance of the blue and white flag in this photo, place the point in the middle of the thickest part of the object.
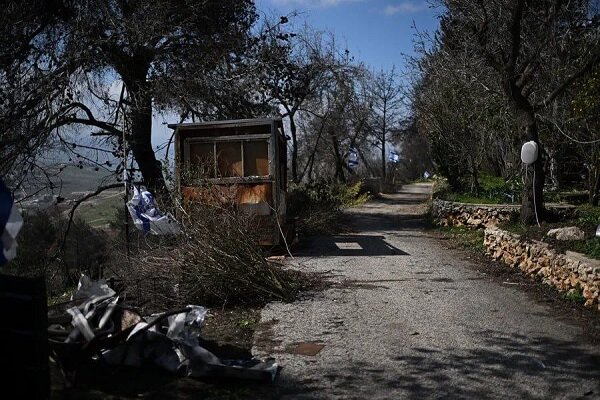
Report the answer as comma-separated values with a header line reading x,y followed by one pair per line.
x,y
147,218
10,224
393,157
352,158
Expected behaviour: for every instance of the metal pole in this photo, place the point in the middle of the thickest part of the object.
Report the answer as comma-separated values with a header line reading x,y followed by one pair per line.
x,y
126,197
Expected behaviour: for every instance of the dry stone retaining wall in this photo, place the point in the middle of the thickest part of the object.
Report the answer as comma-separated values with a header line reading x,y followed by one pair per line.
x,y
450,213
566,272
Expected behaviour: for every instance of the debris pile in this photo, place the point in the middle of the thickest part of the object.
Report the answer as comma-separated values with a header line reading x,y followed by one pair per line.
x,y
94,325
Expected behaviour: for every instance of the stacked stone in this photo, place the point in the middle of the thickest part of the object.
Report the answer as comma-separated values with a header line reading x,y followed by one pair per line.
x,y
449,213
566,272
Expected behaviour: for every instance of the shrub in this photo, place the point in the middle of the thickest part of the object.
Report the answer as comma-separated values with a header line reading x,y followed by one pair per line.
x,y
492,190
37,242
216,261
588,216
40,244
318,205
575,295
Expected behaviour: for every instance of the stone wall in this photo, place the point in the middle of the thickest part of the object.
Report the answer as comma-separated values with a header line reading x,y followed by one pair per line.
x,y
566,272
450,213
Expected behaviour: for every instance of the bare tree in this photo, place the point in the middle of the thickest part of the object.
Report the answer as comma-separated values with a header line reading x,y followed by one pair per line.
x,y
295,70
387,110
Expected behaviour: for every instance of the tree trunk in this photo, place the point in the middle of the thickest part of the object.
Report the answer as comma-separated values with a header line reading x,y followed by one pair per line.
x,y
594,184
383,160
554,170
339,159
294,148
532,205
140,136
383,135
475,187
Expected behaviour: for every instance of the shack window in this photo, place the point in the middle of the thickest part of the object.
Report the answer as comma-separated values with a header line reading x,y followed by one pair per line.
x,y
229,159
246,158
202,159
256,158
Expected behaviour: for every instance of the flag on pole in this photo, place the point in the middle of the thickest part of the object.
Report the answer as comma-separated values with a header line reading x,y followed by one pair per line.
x,y
147,218
10,224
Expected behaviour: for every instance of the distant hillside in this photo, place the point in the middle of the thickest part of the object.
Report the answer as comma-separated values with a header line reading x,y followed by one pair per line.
x,y
70,179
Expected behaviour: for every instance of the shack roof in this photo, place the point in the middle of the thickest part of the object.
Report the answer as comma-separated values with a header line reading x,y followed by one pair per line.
x,y
226,123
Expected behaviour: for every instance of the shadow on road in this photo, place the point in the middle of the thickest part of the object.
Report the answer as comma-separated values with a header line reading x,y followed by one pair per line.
x,y
348,246
375,221
500,365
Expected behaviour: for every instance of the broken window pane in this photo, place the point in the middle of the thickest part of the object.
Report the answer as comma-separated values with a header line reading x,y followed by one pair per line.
x,y
202,160
229,159
256,158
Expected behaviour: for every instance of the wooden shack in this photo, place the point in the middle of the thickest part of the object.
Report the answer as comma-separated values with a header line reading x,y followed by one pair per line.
x,y
245,160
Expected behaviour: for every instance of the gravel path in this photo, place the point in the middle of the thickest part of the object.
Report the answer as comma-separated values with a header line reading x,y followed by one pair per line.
x,y
414,320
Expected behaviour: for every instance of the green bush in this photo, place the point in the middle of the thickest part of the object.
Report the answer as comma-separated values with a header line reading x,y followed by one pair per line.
x,y
588,216
492,190
318,205
575,295
37,242
40,250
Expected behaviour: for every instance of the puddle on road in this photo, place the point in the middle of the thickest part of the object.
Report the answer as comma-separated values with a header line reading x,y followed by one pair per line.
x,y
304,348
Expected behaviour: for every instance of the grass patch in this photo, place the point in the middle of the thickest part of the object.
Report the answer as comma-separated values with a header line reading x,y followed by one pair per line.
x,y
233,328
590,246
575,295
492,190
466,238
588,216
101,209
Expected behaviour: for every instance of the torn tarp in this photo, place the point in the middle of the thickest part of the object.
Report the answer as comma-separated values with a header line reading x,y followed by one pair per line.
x,y
119,337
171,342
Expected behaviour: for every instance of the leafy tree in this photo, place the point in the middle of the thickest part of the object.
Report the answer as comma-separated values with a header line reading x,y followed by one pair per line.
x,y
518,39
69,53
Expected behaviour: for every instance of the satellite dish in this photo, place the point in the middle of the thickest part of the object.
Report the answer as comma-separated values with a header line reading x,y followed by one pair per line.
x,y
529,152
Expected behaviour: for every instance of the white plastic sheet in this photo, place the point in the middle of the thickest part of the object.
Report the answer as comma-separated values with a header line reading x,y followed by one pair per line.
x,y
147,218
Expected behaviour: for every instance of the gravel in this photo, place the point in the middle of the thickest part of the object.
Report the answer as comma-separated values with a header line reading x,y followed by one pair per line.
x,y
412,319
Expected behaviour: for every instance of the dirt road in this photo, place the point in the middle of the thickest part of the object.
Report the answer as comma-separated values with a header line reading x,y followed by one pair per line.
x,y
416,320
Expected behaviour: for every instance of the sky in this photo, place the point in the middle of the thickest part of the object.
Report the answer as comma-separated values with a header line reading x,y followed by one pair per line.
x,y
377,32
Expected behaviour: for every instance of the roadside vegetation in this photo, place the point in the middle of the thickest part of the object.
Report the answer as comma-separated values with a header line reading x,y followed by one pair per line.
x,y
465,238
479,95
216,262
317,206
